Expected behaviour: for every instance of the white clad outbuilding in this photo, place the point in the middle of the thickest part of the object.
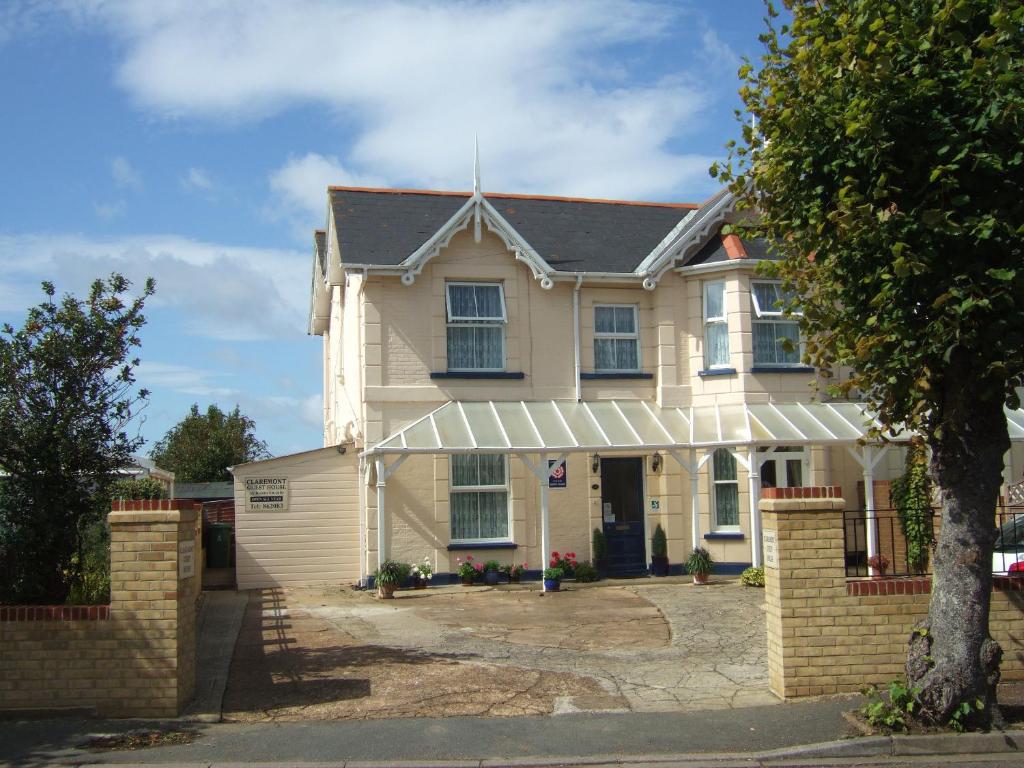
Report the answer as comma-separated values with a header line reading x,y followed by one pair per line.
x,y
297,519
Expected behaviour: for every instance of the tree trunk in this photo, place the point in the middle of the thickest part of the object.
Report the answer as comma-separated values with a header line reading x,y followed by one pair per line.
x,y
952,659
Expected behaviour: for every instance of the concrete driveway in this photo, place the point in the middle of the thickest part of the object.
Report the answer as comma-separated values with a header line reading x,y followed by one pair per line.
x,y
641,645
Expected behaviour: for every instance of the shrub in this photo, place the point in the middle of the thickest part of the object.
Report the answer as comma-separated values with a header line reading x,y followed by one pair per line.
x,y
469,570
553,573
659,542
891,714
586,571
492,565
599,543
137,488
700,561
752,577
391,572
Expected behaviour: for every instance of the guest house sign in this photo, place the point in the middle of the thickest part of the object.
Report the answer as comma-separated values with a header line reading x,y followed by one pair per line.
x,y
266,494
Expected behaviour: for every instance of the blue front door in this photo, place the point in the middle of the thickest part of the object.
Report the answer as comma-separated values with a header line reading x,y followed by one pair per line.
x,y
622,509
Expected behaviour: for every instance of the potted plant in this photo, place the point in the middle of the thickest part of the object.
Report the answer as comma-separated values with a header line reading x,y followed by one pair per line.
x,y
468,570
566,562
552,579
700,565
513,572
878,564
422,573
599,544
492,569
659,552
388,577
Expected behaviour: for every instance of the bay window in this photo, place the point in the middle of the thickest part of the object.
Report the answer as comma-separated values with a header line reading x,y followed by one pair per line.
x,y
716,326
776,336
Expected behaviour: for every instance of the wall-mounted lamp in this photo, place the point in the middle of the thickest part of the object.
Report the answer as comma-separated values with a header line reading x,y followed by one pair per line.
x,y
656,462
595,463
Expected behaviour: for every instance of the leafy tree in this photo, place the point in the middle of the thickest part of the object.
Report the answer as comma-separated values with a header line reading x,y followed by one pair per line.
x,y
888,168
201,447
67,396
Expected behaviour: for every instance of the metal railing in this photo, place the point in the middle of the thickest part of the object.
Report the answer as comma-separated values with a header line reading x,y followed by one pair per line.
x,y
891,544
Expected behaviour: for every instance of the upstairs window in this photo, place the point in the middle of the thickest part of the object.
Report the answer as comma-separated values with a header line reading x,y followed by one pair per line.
x,y
773,331
616,339
716,326
479,497
476,326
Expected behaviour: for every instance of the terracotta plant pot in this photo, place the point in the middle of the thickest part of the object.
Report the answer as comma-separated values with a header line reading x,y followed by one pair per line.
x,y
467,582
514,578
386,591
420,584
701,578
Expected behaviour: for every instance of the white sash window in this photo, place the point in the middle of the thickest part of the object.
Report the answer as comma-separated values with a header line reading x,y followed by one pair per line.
x,y
716,326
479,497
773,331
476,326
616,338
727,491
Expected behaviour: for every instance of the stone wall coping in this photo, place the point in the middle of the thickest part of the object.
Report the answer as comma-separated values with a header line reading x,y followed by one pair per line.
x,y
809,505
917,585
171,516
54,612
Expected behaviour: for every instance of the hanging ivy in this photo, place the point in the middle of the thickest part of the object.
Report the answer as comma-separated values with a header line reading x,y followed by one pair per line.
x,y
912,497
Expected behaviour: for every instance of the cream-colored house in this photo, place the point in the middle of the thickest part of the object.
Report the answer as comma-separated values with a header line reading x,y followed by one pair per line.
x,y
506,373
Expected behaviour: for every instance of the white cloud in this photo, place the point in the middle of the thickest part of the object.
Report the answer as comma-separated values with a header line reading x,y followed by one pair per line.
x,y
197,179
109,211
182,378
718,51
218,291
124,174
547,84
301,183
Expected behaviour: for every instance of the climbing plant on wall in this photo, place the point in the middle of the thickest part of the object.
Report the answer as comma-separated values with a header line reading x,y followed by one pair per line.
x,y
911,495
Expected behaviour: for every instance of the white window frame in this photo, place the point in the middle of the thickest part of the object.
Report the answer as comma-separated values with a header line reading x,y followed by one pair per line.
x,y
723,319
506,488
779,456
461,321
635,336
715,482
774,316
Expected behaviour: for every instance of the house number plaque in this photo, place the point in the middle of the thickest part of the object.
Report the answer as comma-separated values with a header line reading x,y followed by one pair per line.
x,y
771,548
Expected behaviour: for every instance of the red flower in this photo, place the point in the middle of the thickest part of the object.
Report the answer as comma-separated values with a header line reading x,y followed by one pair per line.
x,y
469,558
554,554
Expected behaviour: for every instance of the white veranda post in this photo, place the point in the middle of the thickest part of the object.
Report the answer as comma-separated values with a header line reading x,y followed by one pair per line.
x,y
754,486
541,472
868,460
692,467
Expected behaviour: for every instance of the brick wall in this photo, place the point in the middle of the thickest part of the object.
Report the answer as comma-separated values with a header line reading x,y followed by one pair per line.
x,y
828,634
135,657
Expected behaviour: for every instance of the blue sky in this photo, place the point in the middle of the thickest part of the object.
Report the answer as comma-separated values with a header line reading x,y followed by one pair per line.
x,y
193,142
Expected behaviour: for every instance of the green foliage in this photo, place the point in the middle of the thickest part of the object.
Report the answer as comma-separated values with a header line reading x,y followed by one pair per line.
x,y
492,565
137,488
912,496
599,544
201,447
391,573
67,398
659,542
889,713
888,171
554,573
90,578
960,719
752,577
586,572
700,561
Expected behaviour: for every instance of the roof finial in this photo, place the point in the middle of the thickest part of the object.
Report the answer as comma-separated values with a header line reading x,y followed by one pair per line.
x,y
476,164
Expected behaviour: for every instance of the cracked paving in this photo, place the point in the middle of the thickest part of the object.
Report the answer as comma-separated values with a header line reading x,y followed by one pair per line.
x,y
641,645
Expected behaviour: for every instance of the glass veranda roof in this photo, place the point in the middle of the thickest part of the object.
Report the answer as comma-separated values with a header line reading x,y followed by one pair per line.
x,y
567,426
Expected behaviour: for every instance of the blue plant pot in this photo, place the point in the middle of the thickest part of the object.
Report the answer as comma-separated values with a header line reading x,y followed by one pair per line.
x,y
552,585
491,578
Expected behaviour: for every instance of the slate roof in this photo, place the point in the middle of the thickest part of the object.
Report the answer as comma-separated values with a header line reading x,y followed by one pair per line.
x,y
714,250
385,226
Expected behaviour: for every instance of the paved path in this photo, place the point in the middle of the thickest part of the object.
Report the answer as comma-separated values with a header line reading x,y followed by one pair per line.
x,y
712,657
217,625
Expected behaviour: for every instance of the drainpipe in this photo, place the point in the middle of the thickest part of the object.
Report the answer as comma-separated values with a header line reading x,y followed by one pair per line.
x,y
576,334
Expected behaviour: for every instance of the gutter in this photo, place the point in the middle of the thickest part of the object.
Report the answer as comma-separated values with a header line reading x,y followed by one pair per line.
x,y
576,334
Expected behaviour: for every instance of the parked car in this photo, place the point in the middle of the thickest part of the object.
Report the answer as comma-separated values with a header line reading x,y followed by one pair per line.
x,y
1008,554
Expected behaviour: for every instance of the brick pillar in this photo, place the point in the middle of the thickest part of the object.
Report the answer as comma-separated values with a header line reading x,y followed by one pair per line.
x,y
805,584
154,585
